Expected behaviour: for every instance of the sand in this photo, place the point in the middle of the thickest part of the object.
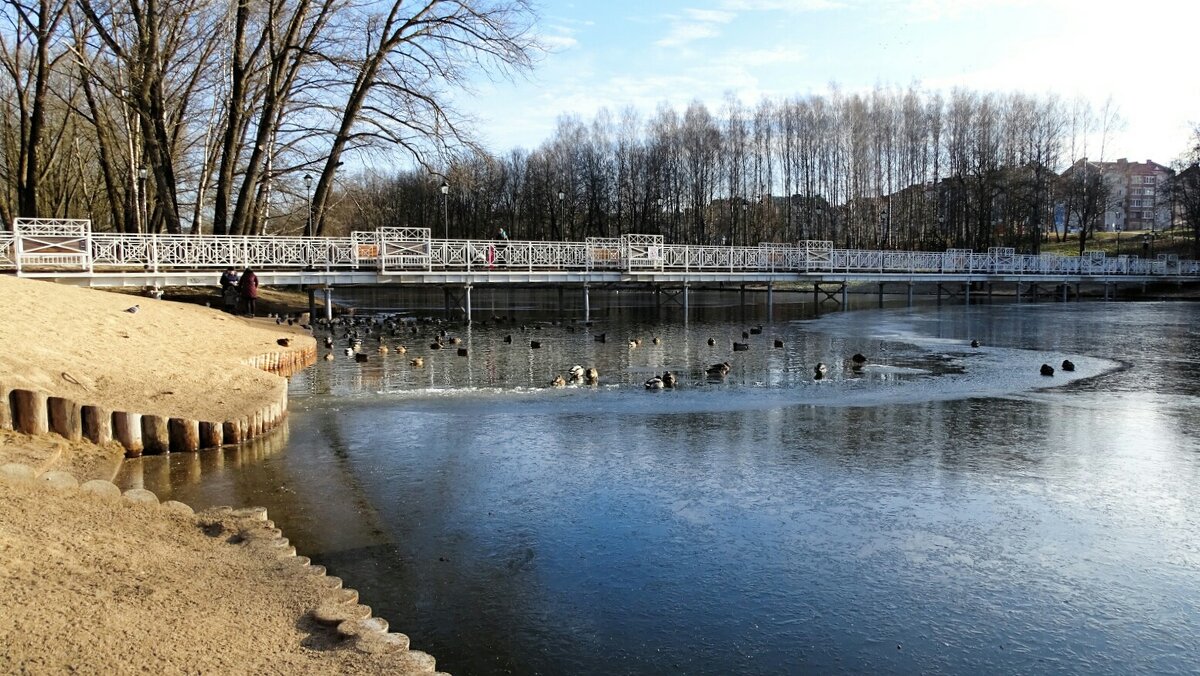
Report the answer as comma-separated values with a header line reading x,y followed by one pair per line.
x,y
166,359
106,585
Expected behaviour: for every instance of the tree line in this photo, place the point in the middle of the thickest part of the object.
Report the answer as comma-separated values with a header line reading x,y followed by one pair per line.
x,y
224,116
241,118
890,168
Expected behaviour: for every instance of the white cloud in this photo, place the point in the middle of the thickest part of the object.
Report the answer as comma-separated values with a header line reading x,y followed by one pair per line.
x,y
682,33
710,15
765,57
793,6
558,43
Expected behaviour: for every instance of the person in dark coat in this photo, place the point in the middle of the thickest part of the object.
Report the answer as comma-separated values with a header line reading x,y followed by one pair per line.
x,y
229,290
248,290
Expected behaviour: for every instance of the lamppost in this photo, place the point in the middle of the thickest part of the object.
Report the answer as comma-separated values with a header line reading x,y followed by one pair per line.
x,y
143,206
445,210
308,232
561,196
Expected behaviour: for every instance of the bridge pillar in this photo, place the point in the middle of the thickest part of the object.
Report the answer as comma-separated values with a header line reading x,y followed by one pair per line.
x,y
467,301
989,292
329,303
770,301
845,296
312,303
939,294
967,293
881,294
685,302
910,294
1018,294
587,303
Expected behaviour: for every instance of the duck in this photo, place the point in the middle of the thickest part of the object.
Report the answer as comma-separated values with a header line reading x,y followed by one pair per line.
x,y
778,343
632,344
974,343
655,340
819,371
741,347
436,345
591,374
745,335
455,340
755,330
535,344
508,338
669,380
360,357
328,341
383,349
858,359
400,349
719,370
1047,370
559,381
349,352
601,338
328,356
1068,365
577,371
654,383
417,361
712,341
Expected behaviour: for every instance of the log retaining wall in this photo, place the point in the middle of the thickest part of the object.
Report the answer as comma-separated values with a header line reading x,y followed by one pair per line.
x,y
36,412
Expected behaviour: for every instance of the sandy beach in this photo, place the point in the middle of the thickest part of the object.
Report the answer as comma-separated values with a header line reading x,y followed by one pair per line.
x,y
96,582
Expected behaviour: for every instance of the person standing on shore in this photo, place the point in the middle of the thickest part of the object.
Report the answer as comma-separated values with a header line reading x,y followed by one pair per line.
x,y
229,290
248,290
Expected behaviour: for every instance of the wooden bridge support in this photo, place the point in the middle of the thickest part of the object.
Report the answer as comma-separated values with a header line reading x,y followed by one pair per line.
x,y
328,303
587,303
910,294
770,301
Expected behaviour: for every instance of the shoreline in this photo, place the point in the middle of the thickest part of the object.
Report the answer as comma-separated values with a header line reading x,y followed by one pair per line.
x,y
102,580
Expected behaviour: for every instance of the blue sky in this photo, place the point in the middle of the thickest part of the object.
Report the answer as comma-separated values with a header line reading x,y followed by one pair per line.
x,y
621,53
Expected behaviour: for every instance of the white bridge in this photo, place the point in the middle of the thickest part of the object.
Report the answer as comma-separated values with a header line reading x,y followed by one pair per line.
x,y
67,251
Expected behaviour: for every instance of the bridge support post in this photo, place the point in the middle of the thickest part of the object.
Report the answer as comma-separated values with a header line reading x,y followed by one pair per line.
x,y
685,302
1018,293
816,297
939,294
881,294
587,303
312,303
742,297
446,300
561,305
989,292
967,293
845,296
770,301
467,301
329,303
910,294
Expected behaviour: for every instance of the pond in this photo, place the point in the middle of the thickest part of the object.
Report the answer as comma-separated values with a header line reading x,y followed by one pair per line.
x,y
941,508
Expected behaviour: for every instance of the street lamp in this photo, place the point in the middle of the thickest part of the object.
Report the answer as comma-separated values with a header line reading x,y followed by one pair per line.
x,y
561,196
308,190
144,205
445,210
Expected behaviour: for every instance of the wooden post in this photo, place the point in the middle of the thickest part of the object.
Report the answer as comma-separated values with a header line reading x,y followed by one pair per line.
x,y
184,435
65,418
127,428
232,431
29,412
97,424
211,434
6,414
156,436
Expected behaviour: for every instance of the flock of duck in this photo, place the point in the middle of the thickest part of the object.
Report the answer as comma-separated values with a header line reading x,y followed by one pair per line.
x,y
357,331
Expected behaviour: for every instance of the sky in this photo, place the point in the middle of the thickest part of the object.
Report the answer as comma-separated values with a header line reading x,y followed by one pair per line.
x,y
626,53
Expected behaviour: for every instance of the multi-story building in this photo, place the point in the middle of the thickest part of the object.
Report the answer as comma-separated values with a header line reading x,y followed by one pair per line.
x,y
1140,195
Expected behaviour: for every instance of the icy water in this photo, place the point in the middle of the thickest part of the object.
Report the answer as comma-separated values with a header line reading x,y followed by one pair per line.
x,y
942,510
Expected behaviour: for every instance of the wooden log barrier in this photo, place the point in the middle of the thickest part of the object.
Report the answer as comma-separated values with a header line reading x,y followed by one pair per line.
x,y
65,418
211,434
6,414
127,428
184,435
156,436
97,424
232,432
29,412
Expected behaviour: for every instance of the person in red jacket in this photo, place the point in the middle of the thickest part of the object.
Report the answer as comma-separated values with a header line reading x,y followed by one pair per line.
x,y
248,290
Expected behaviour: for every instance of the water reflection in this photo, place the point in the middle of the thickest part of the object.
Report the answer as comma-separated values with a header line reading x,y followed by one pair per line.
x,y
943,510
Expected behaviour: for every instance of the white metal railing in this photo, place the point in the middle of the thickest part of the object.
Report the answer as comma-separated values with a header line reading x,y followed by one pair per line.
x,y
37,245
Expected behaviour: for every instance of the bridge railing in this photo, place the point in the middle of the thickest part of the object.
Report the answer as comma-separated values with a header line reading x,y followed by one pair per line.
x,y
69,245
